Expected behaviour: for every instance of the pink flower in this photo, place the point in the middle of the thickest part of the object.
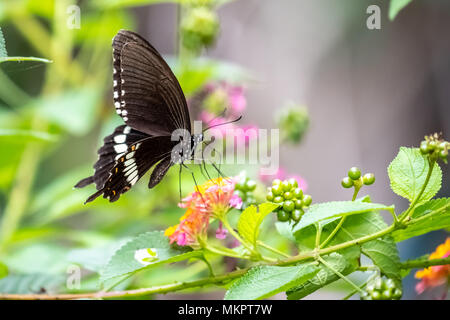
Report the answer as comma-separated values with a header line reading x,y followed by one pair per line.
x,y
211,199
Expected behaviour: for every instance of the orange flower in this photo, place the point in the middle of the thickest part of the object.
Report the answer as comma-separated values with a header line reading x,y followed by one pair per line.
x,y
436,275
212,199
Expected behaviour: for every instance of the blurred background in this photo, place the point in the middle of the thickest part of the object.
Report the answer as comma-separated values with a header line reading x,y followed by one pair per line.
x,y
342,95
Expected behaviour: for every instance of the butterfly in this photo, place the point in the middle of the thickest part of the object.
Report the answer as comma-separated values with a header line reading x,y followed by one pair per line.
x,y
152,104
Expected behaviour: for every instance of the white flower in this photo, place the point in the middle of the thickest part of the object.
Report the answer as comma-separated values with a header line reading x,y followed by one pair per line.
x,y
146,256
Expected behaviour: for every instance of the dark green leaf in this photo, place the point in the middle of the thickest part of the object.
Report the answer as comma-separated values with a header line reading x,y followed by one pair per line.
x,y
324,277
265,281
432,215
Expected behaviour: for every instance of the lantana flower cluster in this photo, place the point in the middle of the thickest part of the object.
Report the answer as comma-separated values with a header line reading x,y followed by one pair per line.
x,y
435,275
212,199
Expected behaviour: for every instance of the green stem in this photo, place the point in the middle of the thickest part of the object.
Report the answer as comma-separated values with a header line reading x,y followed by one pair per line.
x,y
340,275
226,277
230,229
177,286
266,246
421,263
341,222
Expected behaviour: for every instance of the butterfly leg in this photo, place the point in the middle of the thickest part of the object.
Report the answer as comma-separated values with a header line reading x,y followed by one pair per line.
x,y
195,182
179,181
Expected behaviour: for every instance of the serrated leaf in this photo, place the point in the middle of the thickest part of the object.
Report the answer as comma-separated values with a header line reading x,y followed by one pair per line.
x,y
250,220
396,6
265,281
408,172
30,283
323,277
328,212
123,261
432,215
3,52
382,251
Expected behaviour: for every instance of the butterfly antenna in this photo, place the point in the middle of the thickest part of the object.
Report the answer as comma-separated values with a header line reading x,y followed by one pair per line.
x,y
223,123
218,116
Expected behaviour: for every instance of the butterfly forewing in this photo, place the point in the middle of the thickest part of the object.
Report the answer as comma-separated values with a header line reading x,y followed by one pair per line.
x,y
146,93
150,100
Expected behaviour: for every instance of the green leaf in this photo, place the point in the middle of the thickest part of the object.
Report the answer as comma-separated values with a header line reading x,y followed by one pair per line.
x,y
396,6
3,52
3,270
382,251
123,261
408,172
73,111
251,219
323,277
30,283
432,215
37,258
265,281
330,211
95,258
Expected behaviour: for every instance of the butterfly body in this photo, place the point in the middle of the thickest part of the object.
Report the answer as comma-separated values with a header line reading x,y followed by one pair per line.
x,y
151,102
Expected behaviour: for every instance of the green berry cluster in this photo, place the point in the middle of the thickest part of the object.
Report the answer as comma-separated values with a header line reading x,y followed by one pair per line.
x,y
244,189
382,289
292,202
435,147
354,179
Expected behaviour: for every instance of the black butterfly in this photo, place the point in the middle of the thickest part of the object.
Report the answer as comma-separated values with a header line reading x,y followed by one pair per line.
x,y
150,100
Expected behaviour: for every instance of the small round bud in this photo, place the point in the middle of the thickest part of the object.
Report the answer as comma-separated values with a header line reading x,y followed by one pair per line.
x,y
286,186
298,204
376,295
368,179
443,154
278,199
277,190
347,182
297,214
288,195
269,196
298,193
354,173
397,294
250,185
276,182
293,183
283,216
288,206
432,145
306,200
